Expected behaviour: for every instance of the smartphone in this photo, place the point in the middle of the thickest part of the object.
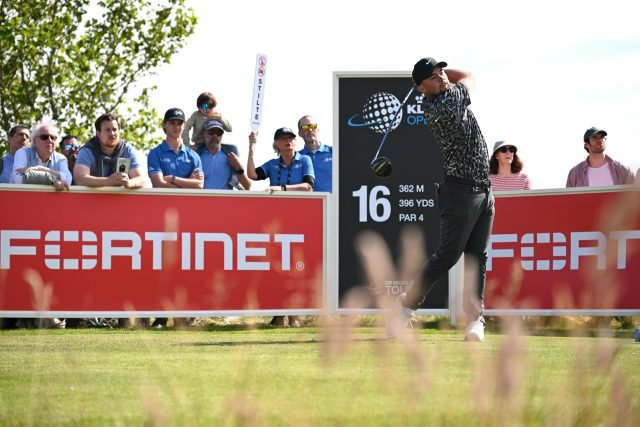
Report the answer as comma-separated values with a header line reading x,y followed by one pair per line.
x,y
123,165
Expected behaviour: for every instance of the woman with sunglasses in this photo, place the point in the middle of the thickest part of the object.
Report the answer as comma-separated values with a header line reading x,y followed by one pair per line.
x,y
505,168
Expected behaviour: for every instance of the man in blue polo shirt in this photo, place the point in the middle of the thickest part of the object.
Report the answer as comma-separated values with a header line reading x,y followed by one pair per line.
x,y
291,171
220,163
321,155
172,164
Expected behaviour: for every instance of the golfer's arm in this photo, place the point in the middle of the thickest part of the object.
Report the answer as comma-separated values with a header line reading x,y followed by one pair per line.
x,y
463,77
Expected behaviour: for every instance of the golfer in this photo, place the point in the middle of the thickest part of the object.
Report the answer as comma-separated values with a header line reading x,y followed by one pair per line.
x,y
465,200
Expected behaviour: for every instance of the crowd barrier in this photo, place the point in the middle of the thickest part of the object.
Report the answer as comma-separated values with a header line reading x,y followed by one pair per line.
x,y
180,253
186,253
567,251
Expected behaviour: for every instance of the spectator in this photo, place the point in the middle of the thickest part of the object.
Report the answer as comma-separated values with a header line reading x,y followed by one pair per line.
x,y
69,146
18,138
321,155
220,163
291,171
173,165
206,104
505,168
598,170
98,158
40,163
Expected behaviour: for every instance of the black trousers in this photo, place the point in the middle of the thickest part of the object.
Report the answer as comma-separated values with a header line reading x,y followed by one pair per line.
x,y
466,220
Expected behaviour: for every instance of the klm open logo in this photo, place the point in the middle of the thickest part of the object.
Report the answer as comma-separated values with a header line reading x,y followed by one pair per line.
x,y
379,109
377,113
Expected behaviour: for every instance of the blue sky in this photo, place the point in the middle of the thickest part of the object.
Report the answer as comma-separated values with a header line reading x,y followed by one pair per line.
x,y
546,70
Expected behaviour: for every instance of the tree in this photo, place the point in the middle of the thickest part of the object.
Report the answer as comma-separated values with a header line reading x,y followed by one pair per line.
x,y
73,60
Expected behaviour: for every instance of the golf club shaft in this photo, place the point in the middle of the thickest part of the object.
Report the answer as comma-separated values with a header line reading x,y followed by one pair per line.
x,y
392,121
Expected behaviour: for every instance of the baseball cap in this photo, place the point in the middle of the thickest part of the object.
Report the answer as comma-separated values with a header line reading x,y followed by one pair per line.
x,y
424,68
593,131
174,114
212,123
283,131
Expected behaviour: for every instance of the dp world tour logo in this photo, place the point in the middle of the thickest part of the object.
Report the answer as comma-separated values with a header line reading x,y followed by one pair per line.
x,y
378,112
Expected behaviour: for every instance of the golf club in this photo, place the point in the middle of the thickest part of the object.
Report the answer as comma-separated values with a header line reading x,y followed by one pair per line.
x,y
382,165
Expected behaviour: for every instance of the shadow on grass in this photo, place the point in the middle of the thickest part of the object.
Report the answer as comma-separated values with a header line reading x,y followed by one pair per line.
x,y
276,342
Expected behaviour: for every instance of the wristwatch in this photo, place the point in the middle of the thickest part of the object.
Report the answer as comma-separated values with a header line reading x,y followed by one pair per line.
x,y
240,171
173,178
284,188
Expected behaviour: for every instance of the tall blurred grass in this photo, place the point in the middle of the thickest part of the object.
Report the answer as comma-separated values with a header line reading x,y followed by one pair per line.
x,y
236,375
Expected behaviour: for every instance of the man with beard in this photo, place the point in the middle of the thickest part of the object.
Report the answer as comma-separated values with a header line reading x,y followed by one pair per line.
x,y
98,158
465,199
220,162
598,170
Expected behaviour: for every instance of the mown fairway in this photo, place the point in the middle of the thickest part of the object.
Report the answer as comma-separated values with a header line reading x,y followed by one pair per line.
x,y
312,376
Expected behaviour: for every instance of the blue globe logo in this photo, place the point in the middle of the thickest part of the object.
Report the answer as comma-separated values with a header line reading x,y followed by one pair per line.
x,y
378,112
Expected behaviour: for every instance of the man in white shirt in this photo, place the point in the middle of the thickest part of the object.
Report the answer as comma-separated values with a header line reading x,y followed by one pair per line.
x,y
598,170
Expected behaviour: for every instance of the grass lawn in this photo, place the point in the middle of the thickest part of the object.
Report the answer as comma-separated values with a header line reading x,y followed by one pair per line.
x,y
314,376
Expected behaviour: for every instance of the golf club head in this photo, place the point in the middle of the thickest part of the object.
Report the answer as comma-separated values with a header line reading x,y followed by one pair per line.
x,y
381,166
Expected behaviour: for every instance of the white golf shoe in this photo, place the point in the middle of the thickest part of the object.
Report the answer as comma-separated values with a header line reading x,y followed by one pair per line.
x,y
475,331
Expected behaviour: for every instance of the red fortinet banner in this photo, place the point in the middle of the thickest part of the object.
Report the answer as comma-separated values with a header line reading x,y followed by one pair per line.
x,y
156,251
572,250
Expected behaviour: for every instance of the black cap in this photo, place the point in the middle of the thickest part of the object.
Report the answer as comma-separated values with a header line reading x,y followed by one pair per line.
x,y
593,131
283,131
424,68
173,114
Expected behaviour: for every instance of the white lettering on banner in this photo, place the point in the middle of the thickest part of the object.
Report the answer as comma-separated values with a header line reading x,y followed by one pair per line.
x,y
157,239
286,240
128,244
582,244
622,237
227,244
89,250
7,249
109,251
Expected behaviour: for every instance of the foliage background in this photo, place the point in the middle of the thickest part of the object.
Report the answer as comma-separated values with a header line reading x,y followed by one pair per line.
x,y
71,61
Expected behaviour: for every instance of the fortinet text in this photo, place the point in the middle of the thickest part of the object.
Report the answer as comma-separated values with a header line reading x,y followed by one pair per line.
x,y
240,250
582,244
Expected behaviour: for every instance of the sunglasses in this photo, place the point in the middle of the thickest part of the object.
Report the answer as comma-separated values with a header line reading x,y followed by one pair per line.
x,y
215,132
48,137
509,148
206,106
312,126
69,147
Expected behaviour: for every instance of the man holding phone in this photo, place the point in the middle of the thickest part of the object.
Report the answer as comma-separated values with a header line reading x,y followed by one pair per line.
x,y
98,160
